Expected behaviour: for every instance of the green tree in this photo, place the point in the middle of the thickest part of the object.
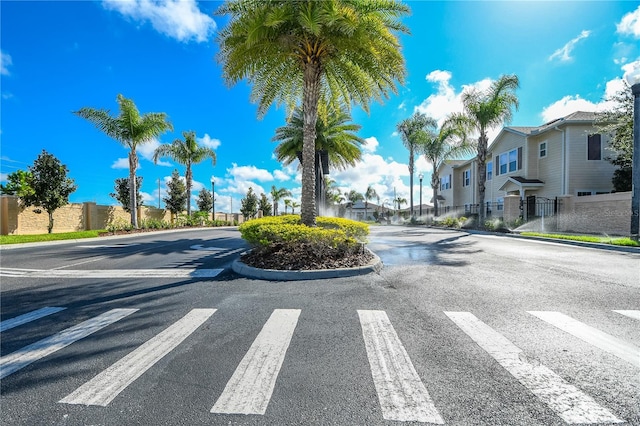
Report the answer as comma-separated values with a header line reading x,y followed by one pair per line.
x,y
18,184
617,122
186,152
249,205
445,143
264,205
121,193
369,194
51,186
332,194
176,198
130,129
294,206
488,109
353,197
278,194
313,53
410,130
287,203
205,200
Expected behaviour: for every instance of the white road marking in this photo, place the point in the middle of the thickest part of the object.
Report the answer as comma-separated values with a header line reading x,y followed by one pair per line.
x,y
28,317
571,404
104,387
15,272
402,395
119,273
13,362
249,389
201,247
615,346
630,314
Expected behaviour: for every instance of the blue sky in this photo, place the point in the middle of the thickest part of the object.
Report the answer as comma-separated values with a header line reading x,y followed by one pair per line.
x,y
60,56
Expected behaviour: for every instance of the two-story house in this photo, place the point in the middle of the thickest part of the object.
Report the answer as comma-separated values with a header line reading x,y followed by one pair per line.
x,y
562,157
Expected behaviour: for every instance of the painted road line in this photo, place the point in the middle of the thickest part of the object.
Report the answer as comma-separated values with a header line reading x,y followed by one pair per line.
x,y
16,272
28,317
249,389
124,273
402,395
568,402
615,346
104,387
13,362
630,314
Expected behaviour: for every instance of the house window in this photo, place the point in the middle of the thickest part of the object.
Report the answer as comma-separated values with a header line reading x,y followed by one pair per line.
x,y
594,147
543,149
489,170
509,161
500,204
445,182
466,177
584,193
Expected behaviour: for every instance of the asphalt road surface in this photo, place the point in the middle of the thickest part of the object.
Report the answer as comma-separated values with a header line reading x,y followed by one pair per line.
x,y
457,329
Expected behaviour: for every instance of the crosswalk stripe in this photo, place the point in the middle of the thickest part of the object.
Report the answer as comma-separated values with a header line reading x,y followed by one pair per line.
x,y
122,273
630,314
13,362
251,385
103,388
402,395
571,404
606,342
28,317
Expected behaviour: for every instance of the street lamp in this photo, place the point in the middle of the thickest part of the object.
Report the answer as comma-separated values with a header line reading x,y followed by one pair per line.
x,y
213,200
420,176
632,76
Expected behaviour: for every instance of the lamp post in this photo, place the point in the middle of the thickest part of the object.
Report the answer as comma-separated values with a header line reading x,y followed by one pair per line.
x,y
420,176
632,76
213,200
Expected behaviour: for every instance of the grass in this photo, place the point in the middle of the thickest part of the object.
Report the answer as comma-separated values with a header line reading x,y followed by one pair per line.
x,y
621,241
17,239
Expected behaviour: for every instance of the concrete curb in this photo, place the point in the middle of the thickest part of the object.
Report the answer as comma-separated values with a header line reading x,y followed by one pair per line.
x,y
375,265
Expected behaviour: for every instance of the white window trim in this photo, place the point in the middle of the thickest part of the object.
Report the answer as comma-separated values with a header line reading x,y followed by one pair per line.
x,y
507,163
465,178
546,148
489,170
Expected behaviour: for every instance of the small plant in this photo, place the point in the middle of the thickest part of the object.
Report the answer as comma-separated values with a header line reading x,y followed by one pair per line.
x,y
119,224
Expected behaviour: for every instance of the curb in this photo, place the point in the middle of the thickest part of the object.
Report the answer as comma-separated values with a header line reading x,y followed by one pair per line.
x,y
375,265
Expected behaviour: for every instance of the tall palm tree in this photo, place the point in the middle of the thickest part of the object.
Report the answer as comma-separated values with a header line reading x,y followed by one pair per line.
x,y
186,152
488,109
277,195
287,203
312,53
294,204
448,142
409,130
130,129
354,196
369,194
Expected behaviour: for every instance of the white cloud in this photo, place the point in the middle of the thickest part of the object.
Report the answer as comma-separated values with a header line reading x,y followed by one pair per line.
x,y
148,199
249,173
4,177
564,53
146,150
5,62
281,176
208,141
371,144
630,24
632,71
121,163
179,19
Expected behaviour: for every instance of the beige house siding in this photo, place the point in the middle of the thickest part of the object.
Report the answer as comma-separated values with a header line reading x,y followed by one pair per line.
x,y
584,174
549,168
447,194
505,142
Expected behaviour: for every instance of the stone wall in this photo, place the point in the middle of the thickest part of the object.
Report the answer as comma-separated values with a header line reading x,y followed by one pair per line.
x,y
608,214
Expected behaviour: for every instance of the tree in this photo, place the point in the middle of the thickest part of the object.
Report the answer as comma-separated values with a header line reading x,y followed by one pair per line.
x,y
122,192
617,122
313,53
264,205
488,109
287,203
332,194
354,196
439,145
186,152
294,205
18,184
400,201
130,129
205,200
176,198
249,205
409,130
50,184
278,194
368,195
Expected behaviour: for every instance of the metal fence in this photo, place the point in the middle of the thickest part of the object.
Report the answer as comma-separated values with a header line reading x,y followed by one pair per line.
x,y
492,209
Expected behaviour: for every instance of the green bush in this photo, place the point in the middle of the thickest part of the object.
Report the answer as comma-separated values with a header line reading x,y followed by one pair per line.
x,y
119,224
450,222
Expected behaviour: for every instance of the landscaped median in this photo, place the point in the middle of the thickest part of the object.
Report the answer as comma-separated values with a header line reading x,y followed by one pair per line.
x,y
285,249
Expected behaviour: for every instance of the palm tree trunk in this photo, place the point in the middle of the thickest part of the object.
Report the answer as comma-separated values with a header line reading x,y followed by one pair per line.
x,y
482,176
310,97
411,167
133,202
188,178
435,182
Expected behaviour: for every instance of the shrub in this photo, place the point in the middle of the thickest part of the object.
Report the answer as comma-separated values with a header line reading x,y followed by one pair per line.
x,y
450,222
119,224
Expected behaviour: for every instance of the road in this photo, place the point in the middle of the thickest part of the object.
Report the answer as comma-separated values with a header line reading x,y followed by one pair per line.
x,y
458,329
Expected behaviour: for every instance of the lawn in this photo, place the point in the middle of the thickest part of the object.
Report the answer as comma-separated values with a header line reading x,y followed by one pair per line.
x,y
617,241
16,239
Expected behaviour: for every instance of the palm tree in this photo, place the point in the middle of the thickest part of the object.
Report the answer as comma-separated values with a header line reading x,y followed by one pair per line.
x,y
287,203
186,152
409,130
400,201
486,110
354,196
447,142
130,129
293,207
277,195
368,195
313,53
